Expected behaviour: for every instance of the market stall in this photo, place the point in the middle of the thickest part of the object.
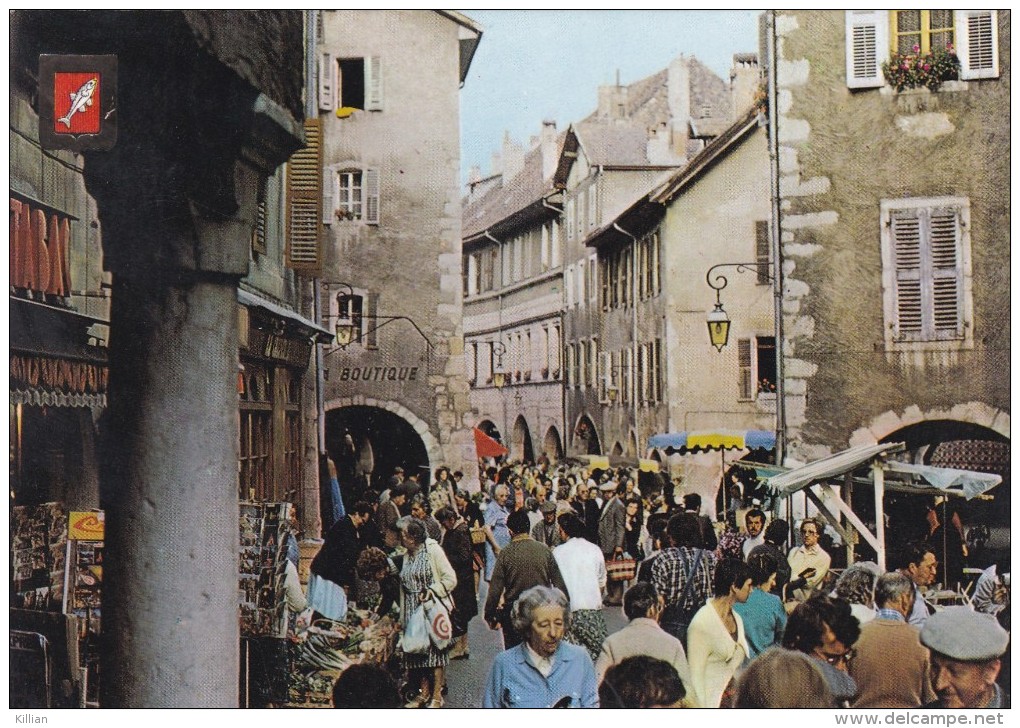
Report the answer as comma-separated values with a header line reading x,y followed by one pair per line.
x,y
319,654
56,604
870,466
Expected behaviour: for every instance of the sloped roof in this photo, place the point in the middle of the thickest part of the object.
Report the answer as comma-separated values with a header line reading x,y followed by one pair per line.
x,y
512,196
615,144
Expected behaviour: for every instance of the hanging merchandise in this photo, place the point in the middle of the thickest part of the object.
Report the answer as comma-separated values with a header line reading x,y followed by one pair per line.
x,y
263,531
38,546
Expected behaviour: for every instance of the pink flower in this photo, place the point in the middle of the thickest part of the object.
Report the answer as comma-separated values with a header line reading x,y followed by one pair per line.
x,y
916,48
927,67
906,66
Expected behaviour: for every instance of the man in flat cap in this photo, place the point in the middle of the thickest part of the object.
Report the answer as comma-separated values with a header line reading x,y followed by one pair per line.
x,y
965,650
612,529
547,531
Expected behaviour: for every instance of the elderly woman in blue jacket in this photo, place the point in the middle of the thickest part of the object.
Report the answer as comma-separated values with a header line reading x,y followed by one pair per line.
x,y
543,671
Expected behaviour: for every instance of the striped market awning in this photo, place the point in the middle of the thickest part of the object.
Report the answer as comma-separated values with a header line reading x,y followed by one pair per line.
x,y
703,440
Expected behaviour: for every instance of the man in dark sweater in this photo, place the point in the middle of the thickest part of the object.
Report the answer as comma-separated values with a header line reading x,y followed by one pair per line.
x,y
522,564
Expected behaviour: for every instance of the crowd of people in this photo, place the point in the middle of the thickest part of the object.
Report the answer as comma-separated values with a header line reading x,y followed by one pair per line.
x,y
726,614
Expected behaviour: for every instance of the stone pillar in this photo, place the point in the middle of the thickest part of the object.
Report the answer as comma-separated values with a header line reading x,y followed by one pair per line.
x,y
170,591
176,200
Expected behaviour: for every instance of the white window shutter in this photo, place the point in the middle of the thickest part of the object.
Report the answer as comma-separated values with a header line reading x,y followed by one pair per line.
x,y
908,242
329,184
977,43
371,193
373,84
946,272
327,82
744,381
867,47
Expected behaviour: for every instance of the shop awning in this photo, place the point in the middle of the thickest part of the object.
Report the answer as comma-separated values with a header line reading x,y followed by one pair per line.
x,y
486,447
701,440
965,482
320,334
838,464
648,465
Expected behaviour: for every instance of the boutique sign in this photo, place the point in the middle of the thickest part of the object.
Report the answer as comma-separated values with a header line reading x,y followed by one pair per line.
x,y
378,374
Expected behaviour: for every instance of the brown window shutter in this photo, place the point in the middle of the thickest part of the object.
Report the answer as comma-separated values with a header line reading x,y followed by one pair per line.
x,y
304,204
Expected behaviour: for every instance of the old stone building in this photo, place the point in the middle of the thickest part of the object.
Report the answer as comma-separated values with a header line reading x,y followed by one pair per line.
x,y
536,291
714,211
895,234
388,119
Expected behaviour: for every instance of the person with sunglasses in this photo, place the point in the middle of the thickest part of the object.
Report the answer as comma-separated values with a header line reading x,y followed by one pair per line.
x,y
809,561
824,628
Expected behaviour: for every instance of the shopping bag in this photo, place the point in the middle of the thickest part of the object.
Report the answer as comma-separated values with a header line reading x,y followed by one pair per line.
x,y
622,568
437,615
478,536
415,639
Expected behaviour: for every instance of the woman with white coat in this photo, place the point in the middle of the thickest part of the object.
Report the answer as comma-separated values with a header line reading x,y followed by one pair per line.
x,y
716,646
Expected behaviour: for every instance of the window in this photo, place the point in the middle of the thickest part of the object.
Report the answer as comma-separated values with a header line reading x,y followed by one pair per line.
x,y
872,34
568,284
657,371
580,282
349,84
926,271
591,273
349,195
556,255
471,363
593,363
352,195
762,251
267,392
582,363
592,206
359,308
756,367
928,29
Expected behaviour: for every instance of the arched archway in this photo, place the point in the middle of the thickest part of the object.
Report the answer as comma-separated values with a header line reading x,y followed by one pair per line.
x,y
490,429
395,436
552,446
520,442
586,438
959,445
617,450
632,451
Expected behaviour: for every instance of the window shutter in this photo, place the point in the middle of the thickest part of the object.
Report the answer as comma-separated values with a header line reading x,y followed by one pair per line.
x,y
371,192
744,367
369,323
328,76
761,250
947,273
977,34
604,371
592,209
867,47
304,198
906,234
258,238
330,181
373,84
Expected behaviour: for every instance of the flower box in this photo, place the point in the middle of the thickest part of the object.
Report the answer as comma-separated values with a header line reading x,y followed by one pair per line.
x,y
917,70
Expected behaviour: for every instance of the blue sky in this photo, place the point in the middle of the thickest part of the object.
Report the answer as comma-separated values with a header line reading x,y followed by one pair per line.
x,y
537,64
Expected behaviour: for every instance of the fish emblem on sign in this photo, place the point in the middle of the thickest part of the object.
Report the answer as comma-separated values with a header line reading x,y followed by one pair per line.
x,y
79,100
76,100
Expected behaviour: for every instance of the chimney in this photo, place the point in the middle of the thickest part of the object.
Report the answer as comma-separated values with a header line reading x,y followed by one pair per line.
x,y
745,76
657,148
513,157
475,174
613,100
678,95
547,140
497,163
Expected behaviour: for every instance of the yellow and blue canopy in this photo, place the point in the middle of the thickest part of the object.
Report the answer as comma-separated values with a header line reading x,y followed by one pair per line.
x,y
703,440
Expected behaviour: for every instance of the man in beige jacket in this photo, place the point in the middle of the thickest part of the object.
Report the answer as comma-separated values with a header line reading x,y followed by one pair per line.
x,y
643,636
